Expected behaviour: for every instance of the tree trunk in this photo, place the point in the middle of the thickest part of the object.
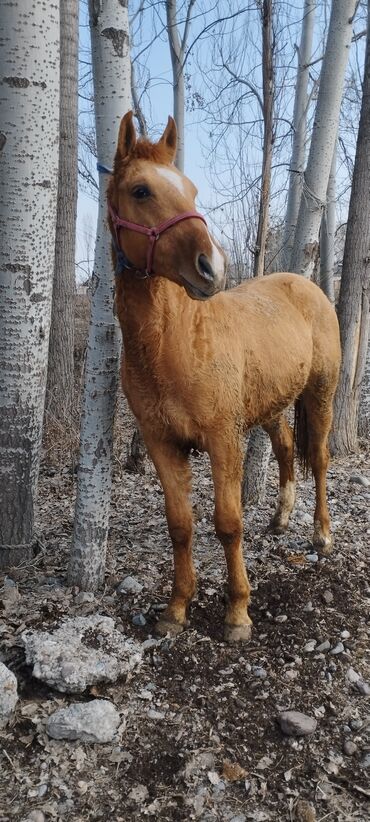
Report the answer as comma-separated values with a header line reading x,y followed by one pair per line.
x,y
112,95
316,177
353,309
364,414
177,51
297,164
60,383
29,101
327,234
268,136
259,444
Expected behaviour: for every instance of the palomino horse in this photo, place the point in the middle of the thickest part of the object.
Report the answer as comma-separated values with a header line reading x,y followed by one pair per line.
x,y
198,372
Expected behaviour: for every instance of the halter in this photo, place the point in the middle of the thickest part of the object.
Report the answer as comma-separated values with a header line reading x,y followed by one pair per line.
x,y
153,233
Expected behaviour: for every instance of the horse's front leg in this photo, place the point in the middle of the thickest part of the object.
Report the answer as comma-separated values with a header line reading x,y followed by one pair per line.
x,y
227,476
174,473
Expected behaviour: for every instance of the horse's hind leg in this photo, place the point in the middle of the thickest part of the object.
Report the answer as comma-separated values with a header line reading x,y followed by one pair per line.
x,y
319,419
174,473
281,436
226,464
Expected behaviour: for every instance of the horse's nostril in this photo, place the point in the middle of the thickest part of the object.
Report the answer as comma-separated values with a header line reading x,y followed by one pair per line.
x,y
205,267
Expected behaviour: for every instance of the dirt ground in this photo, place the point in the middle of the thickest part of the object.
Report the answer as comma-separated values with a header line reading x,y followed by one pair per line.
x,y
198,737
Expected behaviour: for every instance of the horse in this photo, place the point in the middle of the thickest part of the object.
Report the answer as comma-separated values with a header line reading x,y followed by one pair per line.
x,y
201,364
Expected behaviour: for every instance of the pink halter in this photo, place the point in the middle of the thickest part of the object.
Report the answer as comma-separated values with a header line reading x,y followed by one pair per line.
x,y
152,233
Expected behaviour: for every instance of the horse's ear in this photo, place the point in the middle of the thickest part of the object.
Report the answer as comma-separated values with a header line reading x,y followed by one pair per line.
x,y
169,139
126,136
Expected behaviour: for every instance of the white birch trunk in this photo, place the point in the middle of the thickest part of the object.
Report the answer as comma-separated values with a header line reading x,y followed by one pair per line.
x,y
353,308
112,94
327,233
297,164
177,51
364,413
29,124
60,382
323,139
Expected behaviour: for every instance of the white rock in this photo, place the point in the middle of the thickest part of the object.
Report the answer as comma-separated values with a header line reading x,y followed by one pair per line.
x,y
360,480
310,646
294,723
8,694
95,721
130,585
81,653
338,649
352,676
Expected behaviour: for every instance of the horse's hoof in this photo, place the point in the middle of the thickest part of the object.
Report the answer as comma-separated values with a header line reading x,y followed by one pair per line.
x,y
237,633
276,529
323,544
166,628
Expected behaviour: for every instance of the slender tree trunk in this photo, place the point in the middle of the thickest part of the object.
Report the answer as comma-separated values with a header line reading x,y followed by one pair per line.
x,y
316,177
327,234
112,95
364,414
297,164
259,444
353,309
29,115
177,51
60,383
268,136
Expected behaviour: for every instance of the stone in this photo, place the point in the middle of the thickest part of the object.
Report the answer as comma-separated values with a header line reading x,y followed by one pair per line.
x,y
352,676
328,597
310,646
84,596
349,747
295,723
259,672
95,721
139,619
359,479
314,557
363,687
35,816
324,646
130,585
338,648
82,652
8,694
365,761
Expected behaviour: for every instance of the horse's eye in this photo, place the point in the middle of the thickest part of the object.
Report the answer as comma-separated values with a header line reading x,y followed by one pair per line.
x,y
141,192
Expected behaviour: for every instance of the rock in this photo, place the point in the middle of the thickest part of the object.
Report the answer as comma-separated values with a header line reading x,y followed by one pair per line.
x,y
310,646
81,653
139,619
130,585
139,793
84,596
259,672
345,634
308,608
294,723
35,816
304,811
8,694
338,648
365,761
359,479
324,646
95,721
352,676
349,747
363,687
328,597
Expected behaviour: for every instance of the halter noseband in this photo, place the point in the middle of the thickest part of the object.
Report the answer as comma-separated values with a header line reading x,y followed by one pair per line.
x,y
153,233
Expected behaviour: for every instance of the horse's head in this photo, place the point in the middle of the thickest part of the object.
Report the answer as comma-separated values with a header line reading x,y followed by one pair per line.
x,y
147,192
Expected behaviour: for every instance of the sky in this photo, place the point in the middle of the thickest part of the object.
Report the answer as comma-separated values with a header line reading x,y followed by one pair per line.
x,y
213,173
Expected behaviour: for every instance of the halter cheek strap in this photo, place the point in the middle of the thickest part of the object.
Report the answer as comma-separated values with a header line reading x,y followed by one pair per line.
x,y
153,233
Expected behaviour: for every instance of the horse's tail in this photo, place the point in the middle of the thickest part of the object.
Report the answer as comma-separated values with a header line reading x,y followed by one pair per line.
x,y
301,438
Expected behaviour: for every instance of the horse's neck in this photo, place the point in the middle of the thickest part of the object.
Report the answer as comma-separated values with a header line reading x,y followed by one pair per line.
x,y
144,308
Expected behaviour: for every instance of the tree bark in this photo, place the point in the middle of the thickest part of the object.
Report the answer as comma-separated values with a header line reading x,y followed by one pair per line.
x,y
112,94
316,177
297,164
60,382
29,102
327,234
177,52
268,136
353,309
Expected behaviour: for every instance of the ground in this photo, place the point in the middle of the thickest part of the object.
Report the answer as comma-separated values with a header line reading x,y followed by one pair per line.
x,y
199,737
